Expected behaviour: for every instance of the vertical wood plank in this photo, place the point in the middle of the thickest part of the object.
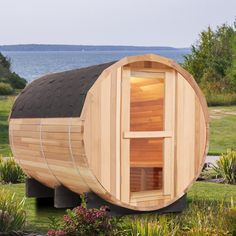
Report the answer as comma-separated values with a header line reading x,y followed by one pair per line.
x,y
95,106
118,117
197,134
105,132
175,135
88,129
113,182
189,129
185,134
181,164
125,143
169,126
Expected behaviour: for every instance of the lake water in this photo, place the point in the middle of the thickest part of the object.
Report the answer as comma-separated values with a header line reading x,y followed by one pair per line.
x,y
31,65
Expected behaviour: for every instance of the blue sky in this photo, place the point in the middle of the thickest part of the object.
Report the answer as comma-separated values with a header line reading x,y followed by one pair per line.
x,y
107,22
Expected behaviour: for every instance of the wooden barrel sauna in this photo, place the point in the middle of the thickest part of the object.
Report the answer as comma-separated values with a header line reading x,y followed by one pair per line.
x,y
133,132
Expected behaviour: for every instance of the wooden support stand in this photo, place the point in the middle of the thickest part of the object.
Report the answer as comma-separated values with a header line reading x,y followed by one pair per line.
x,y
60,196
94,201
64,198
35,189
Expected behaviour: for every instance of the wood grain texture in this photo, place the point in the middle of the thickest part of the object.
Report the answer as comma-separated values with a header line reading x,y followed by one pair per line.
x,y
169,126
125,143
26,148
186,134
49,145
148,134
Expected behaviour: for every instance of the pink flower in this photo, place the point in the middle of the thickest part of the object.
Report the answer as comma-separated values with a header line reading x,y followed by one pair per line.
x,y
67,218
51,232
104,208
60,232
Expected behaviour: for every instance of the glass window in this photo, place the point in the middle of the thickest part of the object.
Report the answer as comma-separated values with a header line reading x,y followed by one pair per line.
x,y
146,162
146,104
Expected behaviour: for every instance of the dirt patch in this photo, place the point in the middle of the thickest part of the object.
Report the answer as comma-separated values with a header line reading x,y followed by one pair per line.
x,y
221,113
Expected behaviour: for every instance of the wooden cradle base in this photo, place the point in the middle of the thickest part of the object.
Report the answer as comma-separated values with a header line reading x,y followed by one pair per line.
x,y
61,197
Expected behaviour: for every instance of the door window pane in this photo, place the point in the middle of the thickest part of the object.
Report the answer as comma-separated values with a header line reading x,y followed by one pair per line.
x,y
145,179
146,162
146,104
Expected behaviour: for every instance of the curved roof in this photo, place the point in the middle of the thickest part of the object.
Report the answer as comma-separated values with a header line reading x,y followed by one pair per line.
x,y
57,95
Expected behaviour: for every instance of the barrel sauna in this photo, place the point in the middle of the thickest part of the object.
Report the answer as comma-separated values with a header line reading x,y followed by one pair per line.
x,y
134,132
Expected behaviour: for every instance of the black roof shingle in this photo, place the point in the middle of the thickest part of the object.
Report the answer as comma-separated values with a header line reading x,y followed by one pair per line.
x,y
57,95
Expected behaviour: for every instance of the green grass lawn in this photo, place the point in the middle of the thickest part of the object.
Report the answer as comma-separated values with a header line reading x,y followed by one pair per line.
x,y
222,127
5,107
38,221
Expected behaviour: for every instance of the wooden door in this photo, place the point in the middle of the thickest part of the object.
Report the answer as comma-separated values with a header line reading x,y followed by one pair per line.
x,y
147,133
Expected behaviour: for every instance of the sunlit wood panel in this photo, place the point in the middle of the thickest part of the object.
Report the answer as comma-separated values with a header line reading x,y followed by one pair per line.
x,y
146,104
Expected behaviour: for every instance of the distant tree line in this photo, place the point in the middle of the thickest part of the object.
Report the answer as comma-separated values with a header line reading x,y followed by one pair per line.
x,y
10,82
61,47
212,62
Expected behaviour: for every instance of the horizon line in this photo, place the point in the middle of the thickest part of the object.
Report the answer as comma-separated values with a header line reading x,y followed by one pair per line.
x,y
89,45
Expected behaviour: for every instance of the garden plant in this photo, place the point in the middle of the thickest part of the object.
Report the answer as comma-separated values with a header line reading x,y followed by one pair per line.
x,y
12,214
225,167
10,171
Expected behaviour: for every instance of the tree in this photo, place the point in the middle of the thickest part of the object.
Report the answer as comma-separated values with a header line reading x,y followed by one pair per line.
x,y
4,62
232,70
213,60
9,80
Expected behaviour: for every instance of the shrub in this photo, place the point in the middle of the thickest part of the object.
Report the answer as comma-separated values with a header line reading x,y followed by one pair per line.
x,y
222,99
201,217
226,166
16,81
9,77
4,72
82,221
10,171
5,89
12,215
212,61
5,62
3,80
